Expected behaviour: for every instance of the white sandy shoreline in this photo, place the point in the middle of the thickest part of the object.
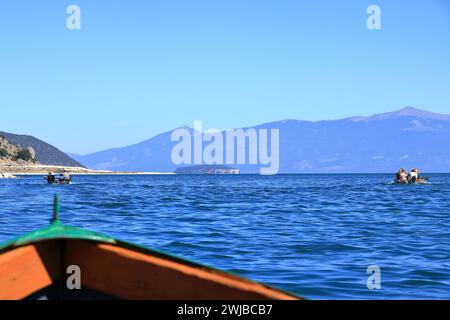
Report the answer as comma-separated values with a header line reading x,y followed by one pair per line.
x,y
112,173
38,169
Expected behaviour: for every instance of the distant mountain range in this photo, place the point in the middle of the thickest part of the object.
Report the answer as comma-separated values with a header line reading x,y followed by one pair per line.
x,y
407,138
45,153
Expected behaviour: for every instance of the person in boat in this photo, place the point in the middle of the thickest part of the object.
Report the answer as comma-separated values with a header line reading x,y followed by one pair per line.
x,y
51,177
401,176
413,176
65,177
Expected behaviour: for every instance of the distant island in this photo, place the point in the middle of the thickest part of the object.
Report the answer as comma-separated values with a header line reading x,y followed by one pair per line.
x,y
207,169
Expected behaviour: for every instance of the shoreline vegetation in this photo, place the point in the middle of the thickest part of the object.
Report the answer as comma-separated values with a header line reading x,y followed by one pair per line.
x,y
12,170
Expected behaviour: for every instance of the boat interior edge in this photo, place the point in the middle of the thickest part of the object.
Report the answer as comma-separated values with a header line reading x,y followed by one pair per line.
x,y
58,291
39,271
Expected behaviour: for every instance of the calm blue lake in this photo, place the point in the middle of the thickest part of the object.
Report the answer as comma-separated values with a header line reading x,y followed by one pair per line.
x,y
314,235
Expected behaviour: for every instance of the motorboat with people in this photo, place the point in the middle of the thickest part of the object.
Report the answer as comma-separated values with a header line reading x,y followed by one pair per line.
x,y
411,177
62,178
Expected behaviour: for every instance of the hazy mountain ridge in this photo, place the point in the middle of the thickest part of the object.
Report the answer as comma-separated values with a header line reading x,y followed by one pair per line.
x,y
379,143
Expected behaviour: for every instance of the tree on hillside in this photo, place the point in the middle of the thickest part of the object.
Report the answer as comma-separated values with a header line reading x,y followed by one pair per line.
x,y
3,153
24,155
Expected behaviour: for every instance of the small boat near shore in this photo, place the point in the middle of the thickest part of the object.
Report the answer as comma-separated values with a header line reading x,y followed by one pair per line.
x,y
59,182
7,176
37,266
420,181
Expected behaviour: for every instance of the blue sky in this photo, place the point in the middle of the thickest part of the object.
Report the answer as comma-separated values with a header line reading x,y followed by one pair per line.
x,y
138,68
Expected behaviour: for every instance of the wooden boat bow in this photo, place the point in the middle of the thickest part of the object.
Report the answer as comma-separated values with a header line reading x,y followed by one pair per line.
x,y
34,266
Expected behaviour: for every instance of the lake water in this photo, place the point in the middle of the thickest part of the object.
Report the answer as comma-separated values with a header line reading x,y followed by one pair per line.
x,y
313,235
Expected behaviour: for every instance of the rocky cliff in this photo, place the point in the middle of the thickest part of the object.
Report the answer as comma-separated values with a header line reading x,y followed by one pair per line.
x,y
15,154
43,152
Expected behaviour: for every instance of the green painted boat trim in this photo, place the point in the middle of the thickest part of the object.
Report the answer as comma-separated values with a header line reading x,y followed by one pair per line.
x,y
56,230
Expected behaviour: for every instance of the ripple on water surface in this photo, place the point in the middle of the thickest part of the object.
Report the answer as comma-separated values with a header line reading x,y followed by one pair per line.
x,y
314,235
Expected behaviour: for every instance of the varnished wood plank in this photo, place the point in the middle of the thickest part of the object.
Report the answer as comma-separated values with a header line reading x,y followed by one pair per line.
x,y
28,269
133,275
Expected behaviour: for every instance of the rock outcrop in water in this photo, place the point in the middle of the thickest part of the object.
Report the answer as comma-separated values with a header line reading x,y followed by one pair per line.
x,y
207,169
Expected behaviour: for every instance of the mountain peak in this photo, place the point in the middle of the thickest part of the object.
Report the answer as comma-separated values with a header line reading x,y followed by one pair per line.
x,y
411,111
406,112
